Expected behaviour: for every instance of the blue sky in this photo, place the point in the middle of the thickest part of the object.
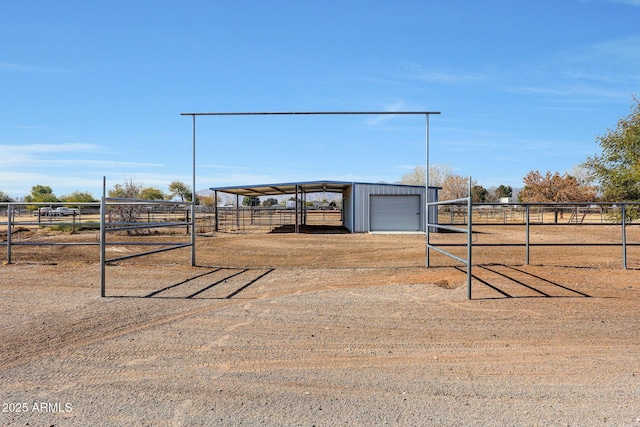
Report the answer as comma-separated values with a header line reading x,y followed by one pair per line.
x,y
93,89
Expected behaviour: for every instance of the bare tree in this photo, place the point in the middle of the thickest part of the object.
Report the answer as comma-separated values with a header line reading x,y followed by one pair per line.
x,y
437,175
415,177
455,187
582,174
126,213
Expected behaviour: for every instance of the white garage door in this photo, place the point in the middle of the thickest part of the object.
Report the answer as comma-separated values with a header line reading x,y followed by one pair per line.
x,y
395,213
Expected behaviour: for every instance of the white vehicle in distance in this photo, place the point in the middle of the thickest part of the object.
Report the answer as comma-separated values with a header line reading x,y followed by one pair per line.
x,y
44,211
63,211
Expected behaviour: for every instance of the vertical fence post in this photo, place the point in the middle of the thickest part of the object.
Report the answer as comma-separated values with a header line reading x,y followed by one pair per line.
x,y
296,229
526,220
193,195
624,237
469,240
103,243
9,226
427,231
238,211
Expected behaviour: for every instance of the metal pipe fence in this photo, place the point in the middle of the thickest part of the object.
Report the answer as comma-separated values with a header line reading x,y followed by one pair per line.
x,y
254,218
533,215
123,215
469,232
595,213
20,216
166,215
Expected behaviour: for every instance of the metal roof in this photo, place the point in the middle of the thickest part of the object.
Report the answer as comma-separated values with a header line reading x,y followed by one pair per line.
x,y
290,188
286,188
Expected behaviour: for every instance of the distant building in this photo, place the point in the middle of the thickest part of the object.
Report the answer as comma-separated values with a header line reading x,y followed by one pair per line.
x,y
365,207
508,200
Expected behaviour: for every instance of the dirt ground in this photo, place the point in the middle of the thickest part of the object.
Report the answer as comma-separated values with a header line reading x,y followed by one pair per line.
x,y
322,329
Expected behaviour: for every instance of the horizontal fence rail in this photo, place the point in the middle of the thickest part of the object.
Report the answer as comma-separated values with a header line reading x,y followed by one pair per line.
x,y
76,216
253,218
124,215
533,215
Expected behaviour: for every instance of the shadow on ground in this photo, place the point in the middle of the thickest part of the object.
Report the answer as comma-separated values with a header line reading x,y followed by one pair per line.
x,y
513,282
218,283
311,229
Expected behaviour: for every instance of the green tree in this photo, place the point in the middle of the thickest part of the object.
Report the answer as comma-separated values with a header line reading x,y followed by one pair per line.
x,y
78,196
180,189
251,201
503,191
617,168
4,197
271,201
479,194
41,194
152,193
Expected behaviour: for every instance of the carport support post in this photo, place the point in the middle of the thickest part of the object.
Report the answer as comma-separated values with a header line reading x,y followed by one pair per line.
x,y
304,208
215,210
238,211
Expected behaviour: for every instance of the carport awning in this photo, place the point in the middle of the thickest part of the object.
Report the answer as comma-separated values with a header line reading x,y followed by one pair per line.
x,y
286,188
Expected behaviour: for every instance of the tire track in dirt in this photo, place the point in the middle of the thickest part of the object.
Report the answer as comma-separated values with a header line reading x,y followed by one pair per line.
x,y
100,321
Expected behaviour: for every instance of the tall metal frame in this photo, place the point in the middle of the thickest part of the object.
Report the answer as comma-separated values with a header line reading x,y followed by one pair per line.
x,y
314,113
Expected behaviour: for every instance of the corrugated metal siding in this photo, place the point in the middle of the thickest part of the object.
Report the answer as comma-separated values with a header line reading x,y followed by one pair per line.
x,y
359,202
356,203
347,209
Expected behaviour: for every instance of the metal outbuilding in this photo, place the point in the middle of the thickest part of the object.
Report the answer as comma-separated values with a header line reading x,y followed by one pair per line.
x,y
366,207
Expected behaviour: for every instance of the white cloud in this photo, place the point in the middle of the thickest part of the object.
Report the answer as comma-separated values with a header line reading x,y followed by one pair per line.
x,y
629,2
418,72
10,66
50,148
610,54
68,167
57,156
605,71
